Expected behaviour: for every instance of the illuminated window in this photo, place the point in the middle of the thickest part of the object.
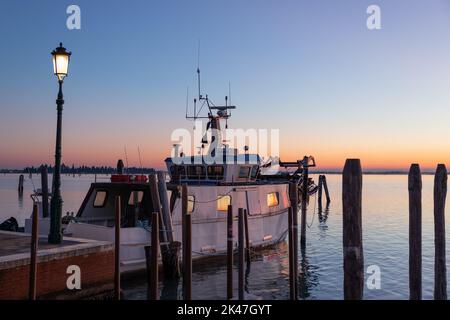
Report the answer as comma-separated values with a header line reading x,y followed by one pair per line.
x,y
244,172
135,196
223,202
191,204
273,199
100,199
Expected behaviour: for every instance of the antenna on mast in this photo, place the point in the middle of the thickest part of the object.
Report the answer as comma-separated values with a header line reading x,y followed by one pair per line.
x,y
187,101
140,160
126,156
198,71
229,92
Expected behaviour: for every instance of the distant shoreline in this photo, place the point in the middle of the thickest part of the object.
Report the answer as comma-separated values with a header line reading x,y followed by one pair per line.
x,y
380,173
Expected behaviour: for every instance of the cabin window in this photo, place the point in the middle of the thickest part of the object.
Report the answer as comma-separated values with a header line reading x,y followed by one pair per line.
x,y
196,172
215,172
273,199
178,171
244,172
223,202
138,194
191,204
254,172
100,198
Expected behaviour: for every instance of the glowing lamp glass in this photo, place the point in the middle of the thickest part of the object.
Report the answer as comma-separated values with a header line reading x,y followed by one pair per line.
x,y
61,60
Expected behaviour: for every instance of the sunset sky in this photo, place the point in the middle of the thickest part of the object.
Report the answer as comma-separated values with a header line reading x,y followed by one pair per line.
x,y
311,69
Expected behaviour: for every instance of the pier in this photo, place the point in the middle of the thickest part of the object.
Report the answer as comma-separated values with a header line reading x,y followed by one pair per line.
x,y
95,260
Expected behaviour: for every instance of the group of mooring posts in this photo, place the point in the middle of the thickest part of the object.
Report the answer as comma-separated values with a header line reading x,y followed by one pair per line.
x,y
161,240
243,251
415,232
352,231
243,245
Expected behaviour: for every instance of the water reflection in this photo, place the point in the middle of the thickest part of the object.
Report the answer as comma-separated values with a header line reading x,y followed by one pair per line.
x,y
171,289
20,200
323,217
308,277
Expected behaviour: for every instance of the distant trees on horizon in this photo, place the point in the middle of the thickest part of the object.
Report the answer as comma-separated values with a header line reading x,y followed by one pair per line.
x,y
65,169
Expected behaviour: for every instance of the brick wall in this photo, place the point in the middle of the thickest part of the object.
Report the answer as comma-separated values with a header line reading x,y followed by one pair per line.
x,y
96,269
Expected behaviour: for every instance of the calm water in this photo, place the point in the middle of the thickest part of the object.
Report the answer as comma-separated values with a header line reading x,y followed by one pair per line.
x,y
385,236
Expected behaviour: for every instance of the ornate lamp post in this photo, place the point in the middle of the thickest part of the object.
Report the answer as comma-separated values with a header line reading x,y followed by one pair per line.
x,y
60,67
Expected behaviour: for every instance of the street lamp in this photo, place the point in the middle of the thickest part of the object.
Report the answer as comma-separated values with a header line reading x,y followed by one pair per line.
x,y
60,68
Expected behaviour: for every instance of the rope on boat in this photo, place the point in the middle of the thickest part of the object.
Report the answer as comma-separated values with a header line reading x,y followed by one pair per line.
x,y
213,200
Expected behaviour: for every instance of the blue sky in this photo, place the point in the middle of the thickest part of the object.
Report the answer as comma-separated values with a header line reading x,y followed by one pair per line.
x,y
310,68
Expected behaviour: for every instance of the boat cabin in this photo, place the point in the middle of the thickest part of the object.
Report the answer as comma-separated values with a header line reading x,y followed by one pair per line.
x,y
234,169
98,206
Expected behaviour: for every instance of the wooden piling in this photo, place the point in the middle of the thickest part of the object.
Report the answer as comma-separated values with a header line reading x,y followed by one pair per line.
x,y
247,237
34,250
304,205
187,245
117,249
241,254
20,187
415,232
156,201
292,279
319,192
440,269
173,270
167,217
293,196
153,272
230,252
325,187
352,230
44,190
165,235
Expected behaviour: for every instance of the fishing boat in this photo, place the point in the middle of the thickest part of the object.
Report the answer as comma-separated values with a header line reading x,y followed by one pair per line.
x,y
223,177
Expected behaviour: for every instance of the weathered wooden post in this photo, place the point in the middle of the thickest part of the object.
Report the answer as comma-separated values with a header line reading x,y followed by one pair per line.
x,y
20,187
118,220
292,279
325,187
187,245
241,274
352,230
304,204
34,249
153,272
230,252
319,192
293,196
44,190
165,235
247,238
415,232
440,269
167,217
